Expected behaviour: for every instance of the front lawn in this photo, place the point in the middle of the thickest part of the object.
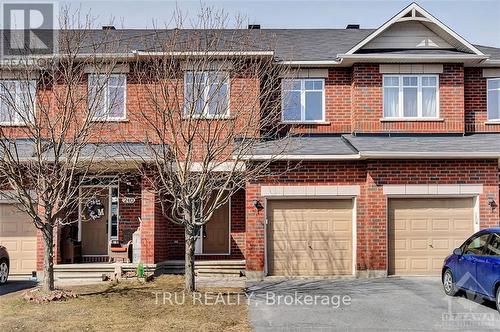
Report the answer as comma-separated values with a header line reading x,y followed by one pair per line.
x,y
130,306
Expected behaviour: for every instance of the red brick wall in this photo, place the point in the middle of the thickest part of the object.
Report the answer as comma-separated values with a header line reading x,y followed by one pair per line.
x,y
476,114
372,203
367,96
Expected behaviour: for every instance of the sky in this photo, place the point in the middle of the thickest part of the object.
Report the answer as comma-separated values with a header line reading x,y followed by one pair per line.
x,y
478,21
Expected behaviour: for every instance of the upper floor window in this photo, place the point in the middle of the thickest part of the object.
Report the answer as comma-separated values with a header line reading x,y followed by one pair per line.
x,y
17,101
303,100
411,96
107,94
494,99
206,94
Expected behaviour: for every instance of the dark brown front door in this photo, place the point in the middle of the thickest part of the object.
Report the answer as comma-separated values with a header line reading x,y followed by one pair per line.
x,y
94,221
216,232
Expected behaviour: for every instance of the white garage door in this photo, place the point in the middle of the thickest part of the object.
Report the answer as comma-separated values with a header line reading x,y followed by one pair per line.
x,y
422,232
18,235
309,237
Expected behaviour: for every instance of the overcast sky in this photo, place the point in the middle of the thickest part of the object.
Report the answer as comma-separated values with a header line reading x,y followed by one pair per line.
x,y
478,21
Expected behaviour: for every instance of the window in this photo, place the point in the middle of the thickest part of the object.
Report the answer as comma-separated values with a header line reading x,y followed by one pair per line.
x,y
476,245
493,246
17,101
107,94
206,94
303,100
494,99
411,96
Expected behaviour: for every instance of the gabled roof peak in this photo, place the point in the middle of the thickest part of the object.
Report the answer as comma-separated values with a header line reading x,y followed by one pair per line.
x,y
415,13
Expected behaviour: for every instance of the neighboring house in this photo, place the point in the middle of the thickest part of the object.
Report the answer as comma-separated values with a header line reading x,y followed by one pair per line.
x,y
398,140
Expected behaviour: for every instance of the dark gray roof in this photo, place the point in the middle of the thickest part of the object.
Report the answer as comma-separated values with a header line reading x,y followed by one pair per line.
x,y
288,44
382,146
440,145
303,145
24,149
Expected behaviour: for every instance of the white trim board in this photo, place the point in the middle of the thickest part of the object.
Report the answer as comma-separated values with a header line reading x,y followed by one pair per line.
x,y
310,191
433,189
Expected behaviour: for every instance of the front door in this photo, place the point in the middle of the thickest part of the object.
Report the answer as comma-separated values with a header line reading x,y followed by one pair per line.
x,y
94,217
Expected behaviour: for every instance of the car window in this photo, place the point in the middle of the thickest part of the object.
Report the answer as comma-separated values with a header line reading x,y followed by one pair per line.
x,y
476,245
493,246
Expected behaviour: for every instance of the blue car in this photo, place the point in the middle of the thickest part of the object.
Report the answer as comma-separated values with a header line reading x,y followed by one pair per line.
x,y
475,266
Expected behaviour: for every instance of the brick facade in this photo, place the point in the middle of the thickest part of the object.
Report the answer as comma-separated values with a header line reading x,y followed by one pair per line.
x,y
371,204
476,116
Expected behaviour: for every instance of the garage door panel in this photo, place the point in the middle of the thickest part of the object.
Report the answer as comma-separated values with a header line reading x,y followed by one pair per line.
x,y
418,224
422,232
314,237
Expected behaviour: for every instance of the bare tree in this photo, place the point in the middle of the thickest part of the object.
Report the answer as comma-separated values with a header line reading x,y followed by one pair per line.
x,y
49,136
211,95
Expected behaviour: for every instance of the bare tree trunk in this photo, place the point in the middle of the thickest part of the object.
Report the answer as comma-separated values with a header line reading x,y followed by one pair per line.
x,y
48,259
189,261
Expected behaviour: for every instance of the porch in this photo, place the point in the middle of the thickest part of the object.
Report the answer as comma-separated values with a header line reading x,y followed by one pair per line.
x,y
126,211
95,272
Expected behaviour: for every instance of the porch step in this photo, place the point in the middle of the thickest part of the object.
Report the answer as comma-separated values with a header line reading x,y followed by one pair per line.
x,y
215,268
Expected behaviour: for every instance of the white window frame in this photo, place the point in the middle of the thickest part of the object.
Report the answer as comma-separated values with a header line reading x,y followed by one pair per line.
x,y
419,116
487,103
302,100
18,121
206,92
106,97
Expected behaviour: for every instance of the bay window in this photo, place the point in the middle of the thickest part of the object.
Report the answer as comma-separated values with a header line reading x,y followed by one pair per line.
x,y
17,101
206,94
494,99
411,96
303,100
107,95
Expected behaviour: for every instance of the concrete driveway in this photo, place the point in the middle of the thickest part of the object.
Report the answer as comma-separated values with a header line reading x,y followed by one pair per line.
x,y
16,285
386,304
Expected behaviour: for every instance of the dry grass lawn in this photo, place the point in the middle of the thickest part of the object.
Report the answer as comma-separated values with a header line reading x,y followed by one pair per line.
x,y
128,306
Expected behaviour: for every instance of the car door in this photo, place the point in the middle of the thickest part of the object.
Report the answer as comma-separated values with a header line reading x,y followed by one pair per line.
x,y
488,266
466,276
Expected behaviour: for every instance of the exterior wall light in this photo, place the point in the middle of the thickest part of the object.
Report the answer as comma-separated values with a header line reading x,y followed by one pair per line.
x,y
257,204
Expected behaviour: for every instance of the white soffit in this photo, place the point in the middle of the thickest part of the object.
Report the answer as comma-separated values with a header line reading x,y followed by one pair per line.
x,y
416,13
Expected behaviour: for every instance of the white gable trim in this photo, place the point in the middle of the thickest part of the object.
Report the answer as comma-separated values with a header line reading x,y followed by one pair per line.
x,y
426,17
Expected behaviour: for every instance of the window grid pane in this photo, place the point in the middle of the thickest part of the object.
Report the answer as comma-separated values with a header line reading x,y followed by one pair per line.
x,y
410,96
17,98
493,99
302,100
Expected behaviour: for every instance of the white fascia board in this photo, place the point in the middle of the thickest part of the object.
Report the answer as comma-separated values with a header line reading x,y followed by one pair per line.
x,y
205,53
313,63
415,57
301,157
428,16
429,155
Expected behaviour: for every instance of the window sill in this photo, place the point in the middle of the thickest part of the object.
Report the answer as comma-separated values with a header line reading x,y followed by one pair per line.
x,y
207,118
492,122
6,124
110,120
306,122
411,119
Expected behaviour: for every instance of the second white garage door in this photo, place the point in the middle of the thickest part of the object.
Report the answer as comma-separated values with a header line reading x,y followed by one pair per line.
x,y
422,232
18,235
309,237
